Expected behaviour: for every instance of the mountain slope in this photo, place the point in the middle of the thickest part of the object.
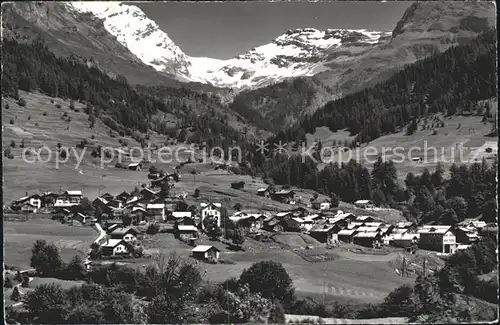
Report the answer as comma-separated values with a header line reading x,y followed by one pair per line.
x,y
69,33
426,28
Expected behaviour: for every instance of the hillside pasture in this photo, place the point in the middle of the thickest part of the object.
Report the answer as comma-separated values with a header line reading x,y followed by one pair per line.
x,y
19,238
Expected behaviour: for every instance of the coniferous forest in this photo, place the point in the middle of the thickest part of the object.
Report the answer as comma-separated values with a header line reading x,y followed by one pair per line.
x,y
447,83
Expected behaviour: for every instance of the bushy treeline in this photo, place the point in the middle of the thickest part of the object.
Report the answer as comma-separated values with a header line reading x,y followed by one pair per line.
x,y
449,83
469,192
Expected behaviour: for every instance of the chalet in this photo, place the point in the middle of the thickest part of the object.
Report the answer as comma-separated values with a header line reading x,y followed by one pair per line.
x,y
115,204
100,202
349,217
325,233
283,195
265,192
107,196
368,229
211,210
206,252
466,235
320,205
175,205
49,198
186,232
139,213
123,196
363,204
35,200
135,166
28,208
176,215
374,224
118,212
127,234
148,194
272,224
437,238
405,225
386,230
472,223
346,235
404,240
114,247
80,217
156,211
354,224
74,196
62,213
367,239
365,219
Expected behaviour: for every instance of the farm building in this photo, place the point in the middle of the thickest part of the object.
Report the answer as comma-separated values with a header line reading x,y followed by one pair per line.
x,y
156,211
100,202
466,235
138,213
28,208
115,204
49,198
147,193
346,235
363,204
176,215
74,196
320,205
211,210
265,192
80,217
113,247
437,238
206,252
367,239
123,196
186,232
364,219
135,166
325,233
403,240
35,200
127,234
107,196
283,195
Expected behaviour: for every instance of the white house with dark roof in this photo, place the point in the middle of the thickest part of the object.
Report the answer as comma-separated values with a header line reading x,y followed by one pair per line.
x,y
135,166
437,238
114,247
211,210
206,252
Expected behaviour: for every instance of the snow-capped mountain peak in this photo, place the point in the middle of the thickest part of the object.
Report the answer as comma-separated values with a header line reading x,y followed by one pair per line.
x,y
299,52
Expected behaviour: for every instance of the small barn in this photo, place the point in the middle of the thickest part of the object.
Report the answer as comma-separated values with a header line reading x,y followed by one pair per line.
x,y
135,166
206,252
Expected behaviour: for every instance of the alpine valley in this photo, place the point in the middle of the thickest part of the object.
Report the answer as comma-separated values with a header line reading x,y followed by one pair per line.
x,y
298,72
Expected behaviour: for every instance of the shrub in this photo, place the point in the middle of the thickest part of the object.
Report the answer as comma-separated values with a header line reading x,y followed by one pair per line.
x,y
44,113
29,117
92,137
6,152
52,101
153,229
36,124
65,114
7,106
21,102
58,105
11,121
72,105
120,165
197,192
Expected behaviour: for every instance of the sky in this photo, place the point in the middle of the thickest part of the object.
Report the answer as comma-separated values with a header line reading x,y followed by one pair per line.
x,y
223,30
